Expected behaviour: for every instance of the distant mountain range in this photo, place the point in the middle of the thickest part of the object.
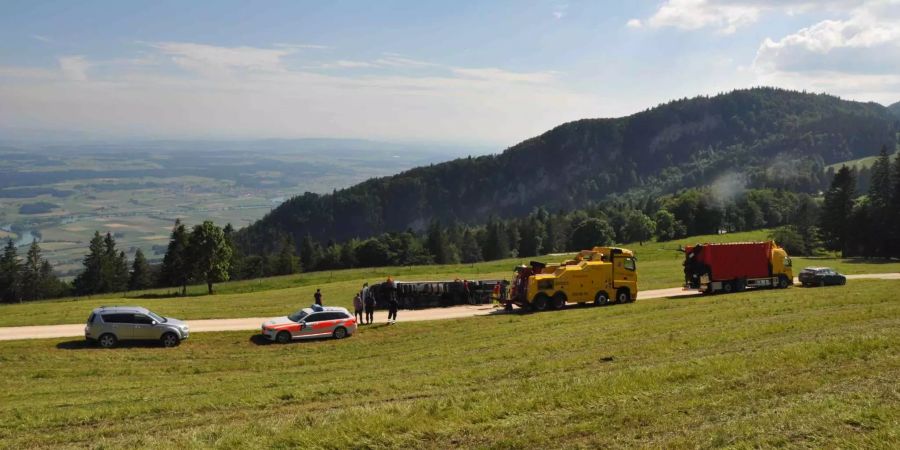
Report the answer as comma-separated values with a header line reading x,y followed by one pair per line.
x,y
763,136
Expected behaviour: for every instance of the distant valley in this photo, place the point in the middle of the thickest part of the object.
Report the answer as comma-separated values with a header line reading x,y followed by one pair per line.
x,y
59,194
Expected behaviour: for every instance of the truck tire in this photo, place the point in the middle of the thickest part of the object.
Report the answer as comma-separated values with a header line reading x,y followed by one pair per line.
x,y
540,302
623,295
601,299
559,301
727,287
783,282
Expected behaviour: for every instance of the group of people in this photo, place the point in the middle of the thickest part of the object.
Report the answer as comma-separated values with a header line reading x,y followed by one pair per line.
x,y
364,303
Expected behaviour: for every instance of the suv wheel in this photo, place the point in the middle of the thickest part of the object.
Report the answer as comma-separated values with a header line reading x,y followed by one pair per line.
x,y
283,337
340,333
170,340
108,340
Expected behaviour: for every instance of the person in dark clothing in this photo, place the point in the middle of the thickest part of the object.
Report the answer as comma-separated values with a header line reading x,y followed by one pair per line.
x,y
318,297
369,302
393,305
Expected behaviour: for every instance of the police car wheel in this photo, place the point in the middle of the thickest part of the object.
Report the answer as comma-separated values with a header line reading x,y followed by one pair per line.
x,y
340,333
283,337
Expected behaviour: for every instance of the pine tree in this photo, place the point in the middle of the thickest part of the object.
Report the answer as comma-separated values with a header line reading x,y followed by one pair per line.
x,y
176,270
879,203
286,262
10,274
310,253
470,251
90,280
31,273
140,273
237,257
113,267
837,209
895,208
209,254
438,244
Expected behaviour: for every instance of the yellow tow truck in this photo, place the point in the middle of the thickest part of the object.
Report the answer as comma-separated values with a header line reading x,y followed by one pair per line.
x,y
599,275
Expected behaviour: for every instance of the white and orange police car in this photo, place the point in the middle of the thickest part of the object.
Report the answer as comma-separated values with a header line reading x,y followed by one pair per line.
x,y
313,322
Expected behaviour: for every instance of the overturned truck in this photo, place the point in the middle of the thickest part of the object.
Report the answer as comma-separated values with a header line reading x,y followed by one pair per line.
x,y
431,294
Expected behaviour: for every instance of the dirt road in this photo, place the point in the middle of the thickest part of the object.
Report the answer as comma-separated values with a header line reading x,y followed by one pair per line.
x,y
253,323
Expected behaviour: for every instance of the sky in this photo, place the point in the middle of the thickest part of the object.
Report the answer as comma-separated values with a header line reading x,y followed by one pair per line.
x,y
485,72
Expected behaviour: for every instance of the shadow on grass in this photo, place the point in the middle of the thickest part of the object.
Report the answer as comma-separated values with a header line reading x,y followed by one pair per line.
x,y
83,344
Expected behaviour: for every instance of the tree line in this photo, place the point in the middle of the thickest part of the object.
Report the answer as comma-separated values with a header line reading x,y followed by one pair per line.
x,y
844,220
864,224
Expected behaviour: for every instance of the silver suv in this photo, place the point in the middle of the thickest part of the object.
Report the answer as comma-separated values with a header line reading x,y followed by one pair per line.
x,y
110,324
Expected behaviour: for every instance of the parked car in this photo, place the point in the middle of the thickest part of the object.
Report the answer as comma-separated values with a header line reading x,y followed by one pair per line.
x,y
821,276
108,325
314,322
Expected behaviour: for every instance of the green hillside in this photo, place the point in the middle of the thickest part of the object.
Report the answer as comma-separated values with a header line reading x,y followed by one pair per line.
x,y
796,368
659,265
777,138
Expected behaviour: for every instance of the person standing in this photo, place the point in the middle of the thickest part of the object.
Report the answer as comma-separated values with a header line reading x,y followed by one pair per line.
x,y
393,305
358,308
318,297
369,303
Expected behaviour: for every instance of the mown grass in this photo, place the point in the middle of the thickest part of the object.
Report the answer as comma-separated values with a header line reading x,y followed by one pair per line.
x,y
659,266
797,367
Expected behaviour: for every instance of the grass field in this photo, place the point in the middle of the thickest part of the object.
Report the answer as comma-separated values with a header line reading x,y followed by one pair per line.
x,y
802,368
659,266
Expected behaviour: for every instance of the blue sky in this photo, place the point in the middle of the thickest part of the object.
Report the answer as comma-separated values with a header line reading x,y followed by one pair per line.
x,y
469,72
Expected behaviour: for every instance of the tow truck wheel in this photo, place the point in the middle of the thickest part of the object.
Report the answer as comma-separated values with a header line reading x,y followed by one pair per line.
x,y
623,296
540,302
601,299
559,300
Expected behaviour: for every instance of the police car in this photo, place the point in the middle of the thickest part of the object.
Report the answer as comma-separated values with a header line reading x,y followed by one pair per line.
x,y
313,322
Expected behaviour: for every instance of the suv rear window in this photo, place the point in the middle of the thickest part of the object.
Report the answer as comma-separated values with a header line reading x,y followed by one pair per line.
x,y
118,318
91,319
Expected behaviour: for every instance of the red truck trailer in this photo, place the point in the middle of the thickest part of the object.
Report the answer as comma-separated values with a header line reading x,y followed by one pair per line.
x,y
734,266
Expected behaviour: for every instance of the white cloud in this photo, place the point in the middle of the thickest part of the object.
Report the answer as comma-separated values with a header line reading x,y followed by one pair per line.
x,y
726,16
209,59
505,76
858,55
400,98
634,23
74,67
40,37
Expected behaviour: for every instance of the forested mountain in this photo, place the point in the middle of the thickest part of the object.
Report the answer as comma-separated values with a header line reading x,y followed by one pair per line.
x,y
895,108
763,137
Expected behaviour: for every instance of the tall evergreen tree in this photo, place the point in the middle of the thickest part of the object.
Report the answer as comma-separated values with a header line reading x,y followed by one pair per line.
x,y
470,251
176,270
879,227
310,253
140,273
286,261
237,257
114,267
837,209
10,274
31,273
438,244
895,208
90,280
209,255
